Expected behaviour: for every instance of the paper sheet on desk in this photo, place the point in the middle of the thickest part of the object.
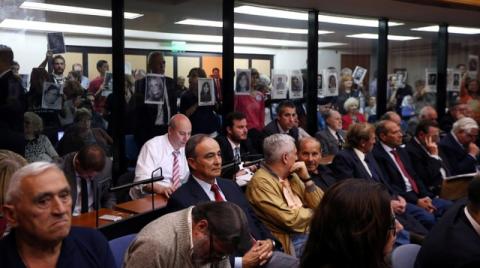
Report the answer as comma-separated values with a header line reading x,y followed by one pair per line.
x,y
461,176
244,179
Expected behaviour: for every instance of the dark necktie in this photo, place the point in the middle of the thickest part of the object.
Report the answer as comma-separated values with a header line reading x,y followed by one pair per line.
x,y
84,194
404,170
216,192
372,169
340,140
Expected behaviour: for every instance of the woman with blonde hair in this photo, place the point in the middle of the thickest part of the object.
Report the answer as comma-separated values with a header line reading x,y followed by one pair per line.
x,y
347,89
38,146
9,163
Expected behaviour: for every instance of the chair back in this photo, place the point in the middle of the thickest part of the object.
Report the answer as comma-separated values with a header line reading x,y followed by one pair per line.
x,y
404,256
119,247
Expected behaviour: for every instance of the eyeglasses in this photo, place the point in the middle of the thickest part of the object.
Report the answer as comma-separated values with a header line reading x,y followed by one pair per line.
x,y
213,255
393,225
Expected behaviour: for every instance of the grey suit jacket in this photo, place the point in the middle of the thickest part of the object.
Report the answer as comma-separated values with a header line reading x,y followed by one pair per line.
x,y
328,141
107,199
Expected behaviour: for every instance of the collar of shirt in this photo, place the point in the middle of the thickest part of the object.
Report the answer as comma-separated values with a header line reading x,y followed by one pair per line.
x,y
280,129
360,154
207,188
169,146
233,144
333,132
387,148
475,224
4,73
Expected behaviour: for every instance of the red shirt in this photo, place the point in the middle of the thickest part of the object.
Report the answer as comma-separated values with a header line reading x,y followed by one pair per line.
x,y
99,104
254,109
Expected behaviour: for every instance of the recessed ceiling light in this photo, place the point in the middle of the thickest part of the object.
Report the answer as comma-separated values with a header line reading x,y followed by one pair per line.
x,y
245,26
75,10
451,29
390,37
148,35
295,15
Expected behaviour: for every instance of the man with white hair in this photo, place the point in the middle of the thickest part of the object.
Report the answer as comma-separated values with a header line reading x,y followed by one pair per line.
x,y
459,146
426,113
283,194
164,155
38,208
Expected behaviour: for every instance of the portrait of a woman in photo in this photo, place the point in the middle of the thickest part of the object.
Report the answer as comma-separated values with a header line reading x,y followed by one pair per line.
x,y
205,93
243,83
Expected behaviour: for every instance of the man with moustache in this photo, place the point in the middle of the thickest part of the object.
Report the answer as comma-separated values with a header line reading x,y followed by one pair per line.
x,y
38,208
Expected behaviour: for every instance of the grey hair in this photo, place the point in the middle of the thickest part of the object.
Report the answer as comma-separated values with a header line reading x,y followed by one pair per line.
x,y
349,102
33,169
425,110
276,145
466,124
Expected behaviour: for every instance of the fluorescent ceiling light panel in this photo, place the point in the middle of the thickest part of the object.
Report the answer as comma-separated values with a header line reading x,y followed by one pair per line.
x,y
390,37
105,31
245,26
451,29
295,15
75,10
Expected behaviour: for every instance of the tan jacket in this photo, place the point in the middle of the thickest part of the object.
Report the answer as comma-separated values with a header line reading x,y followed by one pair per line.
x,y
264,192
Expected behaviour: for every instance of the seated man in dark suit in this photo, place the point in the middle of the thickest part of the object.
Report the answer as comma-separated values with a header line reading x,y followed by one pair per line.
x,y
38,208
235,144
205,161
285,123
459,146
333,137
396,166
309,151
455,239
357,161
83,169
427,161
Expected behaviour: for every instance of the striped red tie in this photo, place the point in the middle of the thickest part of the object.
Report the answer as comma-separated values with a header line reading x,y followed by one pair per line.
x,y
176,171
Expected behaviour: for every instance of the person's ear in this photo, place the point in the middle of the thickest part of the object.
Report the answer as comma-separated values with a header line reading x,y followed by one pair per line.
x,y
192,163
10,215
201,227
285,158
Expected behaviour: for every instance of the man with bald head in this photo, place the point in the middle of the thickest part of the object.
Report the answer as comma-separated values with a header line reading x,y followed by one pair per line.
x,y
309,151
333,137
168,153
37,207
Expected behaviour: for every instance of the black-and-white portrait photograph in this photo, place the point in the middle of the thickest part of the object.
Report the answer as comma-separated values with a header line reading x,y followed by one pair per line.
x,y
359,74
25,80
431,79
320,92
242,85
56,43
279,86
401,76
206,93
456,79
51,96
155,89
296,85
332,83
472,65
107,84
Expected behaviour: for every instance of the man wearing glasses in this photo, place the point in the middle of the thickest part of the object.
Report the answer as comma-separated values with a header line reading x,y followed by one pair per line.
x,y
199,236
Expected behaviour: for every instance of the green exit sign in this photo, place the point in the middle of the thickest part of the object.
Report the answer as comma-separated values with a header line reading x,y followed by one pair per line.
x,y
179,46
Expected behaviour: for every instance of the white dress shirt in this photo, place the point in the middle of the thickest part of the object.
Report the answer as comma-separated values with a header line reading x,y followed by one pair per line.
x,y
158,152
388,149
475,224
207,188
77,210
361,156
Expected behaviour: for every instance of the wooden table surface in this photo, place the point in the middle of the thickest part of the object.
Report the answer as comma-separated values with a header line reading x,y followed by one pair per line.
x,y
142,205
88,219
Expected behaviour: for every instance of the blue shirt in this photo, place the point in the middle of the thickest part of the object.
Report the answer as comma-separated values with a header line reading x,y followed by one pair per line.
x,y
81,248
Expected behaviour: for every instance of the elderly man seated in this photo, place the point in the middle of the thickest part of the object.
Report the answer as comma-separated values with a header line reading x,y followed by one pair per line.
x,y
283,194
38,208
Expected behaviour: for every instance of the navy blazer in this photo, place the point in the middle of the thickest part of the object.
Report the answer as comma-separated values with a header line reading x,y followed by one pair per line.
x,y
191,193
329,142
394,176
457,156
427,167
451,243
272,128
346,164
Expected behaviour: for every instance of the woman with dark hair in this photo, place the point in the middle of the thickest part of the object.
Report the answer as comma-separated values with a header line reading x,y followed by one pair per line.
x,y
352,227
243,83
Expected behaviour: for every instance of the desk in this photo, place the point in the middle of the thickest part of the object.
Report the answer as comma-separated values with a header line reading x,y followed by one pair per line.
x,y
142,205
327,159
88,219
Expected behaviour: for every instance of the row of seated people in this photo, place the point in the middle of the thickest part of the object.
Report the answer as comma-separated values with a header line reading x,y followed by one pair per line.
x,y
282,193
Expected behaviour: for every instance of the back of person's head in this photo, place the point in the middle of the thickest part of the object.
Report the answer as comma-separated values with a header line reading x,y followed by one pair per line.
x,y
35,121
10,162
357,133
100,64
72,89
226,221
197,72
6,56
263,83
424,125
275,146
91,157
350,227
233,116
466,124
283,105
82,114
